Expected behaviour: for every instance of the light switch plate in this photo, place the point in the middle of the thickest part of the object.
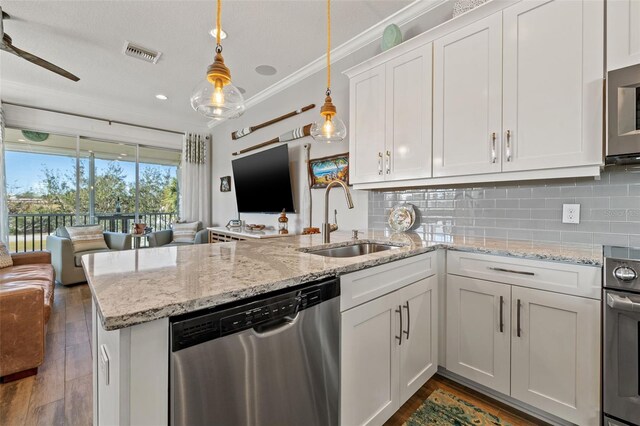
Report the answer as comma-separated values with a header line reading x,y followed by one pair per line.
x,y
571,213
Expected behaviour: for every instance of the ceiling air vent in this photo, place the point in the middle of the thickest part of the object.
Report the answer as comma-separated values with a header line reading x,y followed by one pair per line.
x,y
137,51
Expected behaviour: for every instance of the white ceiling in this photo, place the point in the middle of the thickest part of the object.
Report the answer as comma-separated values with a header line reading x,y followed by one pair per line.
x,y
86,38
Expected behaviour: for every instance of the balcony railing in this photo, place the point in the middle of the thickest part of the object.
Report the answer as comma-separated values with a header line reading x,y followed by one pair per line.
x,y
28,231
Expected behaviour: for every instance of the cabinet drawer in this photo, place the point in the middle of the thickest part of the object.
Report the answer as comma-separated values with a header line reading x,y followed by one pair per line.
x,y
360,287
577,280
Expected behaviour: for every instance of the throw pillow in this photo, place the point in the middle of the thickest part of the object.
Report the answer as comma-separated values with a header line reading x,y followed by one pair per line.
x,y
86,238
185,232
5,257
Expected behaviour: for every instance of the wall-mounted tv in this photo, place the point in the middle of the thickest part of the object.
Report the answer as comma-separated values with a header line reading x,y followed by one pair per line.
x,y
262,182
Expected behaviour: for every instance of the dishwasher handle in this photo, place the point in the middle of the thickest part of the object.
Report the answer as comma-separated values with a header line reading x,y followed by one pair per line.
x,y
276,327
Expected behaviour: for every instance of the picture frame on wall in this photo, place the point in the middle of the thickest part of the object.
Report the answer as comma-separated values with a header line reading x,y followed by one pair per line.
x,y
324,170
225,184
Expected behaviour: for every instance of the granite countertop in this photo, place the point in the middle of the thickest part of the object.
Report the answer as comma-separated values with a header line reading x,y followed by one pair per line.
x,y
135,286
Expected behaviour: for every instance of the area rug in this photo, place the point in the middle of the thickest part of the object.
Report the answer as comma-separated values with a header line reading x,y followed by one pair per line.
x,y
445,409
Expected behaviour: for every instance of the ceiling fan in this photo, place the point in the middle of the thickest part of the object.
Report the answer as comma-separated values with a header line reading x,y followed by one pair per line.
x,y
7,46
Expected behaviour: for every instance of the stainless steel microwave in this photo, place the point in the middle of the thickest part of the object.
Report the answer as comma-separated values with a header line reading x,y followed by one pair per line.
x,y
623,106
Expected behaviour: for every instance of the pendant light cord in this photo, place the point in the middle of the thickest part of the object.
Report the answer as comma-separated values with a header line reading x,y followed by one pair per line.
x,y
328,47
218,27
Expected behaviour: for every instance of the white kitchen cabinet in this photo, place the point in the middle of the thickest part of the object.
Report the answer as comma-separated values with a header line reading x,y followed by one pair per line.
x,y
390,119
467,88
369,362
389,343
623,33
478,331
555,363
367,109
553,80
408,115
419,349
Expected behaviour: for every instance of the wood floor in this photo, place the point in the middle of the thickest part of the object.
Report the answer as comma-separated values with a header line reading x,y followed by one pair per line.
x,y
60,394
506,413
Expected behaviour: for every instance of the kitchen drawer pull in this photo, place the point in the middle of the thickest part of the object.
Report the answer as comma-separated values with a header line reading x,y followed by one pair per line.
x,y
518,319
494,155
408,320
501,315
508,145
512,271
380,163
399,338
388,162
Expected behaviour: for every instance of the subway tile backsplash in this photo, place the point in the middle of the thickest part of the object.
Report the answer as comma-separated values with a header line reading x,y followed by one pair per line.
x,y
531,211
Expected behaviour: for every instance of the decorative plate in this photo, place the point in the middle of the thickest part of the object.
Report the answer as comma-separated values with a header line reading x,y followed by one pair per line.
x,y
402,217
392,36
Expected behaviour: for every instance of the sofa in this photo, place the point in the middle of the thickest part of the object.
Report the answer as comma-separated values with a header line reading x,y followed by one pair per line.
x,y
26,298
165,238
68,264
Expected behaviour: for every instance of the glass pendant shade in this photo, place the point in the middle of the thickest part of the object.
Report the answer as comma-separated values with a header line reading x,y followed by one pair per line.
x,y
217,101
329,129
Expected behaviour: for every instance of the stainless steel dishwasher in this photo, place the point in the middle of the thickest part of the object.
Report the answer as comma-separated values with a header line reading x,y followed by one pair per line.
x,y
268,361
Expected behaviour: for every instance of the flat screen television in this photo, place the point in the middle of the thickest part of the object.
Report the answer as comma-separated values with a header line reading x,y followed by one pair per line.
x,y
263,182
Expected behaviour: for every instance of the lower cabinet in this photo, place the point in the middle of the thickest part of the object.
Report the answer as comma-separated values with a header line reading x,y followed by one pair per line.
x,y
389,350
539,347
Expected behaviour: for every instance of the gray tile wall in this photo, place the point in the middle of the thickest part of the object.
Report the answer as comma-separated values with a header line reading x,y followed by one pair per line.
x,y
532,211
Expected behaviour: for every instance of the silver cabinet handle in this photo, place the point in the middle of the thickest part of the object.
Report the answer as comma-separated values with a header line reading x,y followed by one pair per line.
x,y
494,155
399,338
511,271
508,145
388,162
501,315
406,305
518,318
380,163
623,303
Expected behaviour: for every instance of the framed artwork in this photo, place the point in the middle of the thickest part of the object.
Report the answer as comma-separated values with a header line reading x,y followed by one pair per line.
x,y
225,184
324,170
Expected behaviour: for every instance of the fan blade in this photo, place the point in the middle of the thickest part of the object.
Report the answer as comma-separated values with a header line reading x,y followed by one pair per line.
x,y
44,64
5,15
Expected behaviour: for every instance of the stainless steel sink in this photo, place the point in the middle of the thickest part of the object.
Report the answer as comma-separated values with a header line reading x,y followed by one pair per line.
x,y
353,250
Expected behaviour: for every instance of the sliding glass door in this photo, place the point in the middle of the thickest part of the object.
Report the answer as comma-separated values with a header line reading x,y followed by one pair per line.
x,y
55,180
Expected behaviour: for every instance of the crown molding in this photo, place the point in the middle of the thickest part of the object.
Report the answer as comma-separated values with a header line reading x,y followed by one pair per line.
x,y
371,34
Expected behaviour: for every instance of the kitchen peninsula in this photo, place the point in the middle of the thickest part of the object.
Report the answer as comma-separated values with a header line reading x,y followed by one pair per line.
x,y
136,292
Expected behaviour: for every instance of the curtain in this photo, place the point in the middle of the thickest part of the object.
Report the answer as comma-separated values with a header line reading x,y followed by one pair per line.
x,y
195,179
4,208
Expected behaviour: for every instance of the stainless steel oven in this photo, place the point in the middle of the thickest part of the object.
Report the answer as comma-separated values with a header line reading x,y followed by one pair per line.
x,y
623,115
621,350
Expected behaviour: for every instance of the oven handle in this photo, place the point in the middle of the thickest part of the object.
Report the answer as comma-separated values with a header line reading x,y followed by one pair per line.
x,y
623,303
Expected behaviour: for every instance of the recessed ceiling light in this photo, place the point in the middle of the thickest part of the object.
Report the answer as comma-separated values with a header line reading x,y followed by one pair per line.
x,y
161,97
124,155
214,32
20,140
241,90
265,70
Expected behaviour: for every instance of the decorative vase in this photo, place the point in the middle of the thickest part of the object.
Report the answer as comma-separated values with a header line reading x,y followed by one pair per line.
x,y
462,6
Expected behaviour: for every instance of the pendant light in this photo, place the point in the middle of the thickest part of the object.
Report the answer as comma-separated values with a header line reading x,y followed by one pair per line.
x,y
216,97
329,128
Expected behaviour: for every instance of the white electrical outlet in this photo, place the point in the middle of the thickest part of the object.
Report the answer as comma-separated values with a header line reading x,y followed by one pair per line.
x,y
571,213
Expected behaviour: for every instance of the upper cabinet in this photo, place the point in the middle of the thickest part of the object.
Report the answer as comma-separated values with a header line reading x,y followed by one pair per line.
x,y
508,91
552,84
623,33
467,100
390,119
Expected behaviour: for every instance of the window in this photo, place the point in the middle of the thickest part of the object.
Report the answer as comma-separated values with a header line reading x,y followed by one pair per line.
x,y
55,180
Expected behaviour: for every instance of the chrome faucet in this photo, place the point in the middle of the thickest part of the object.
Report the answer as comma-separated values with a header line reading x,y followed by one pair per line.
x,y
326,226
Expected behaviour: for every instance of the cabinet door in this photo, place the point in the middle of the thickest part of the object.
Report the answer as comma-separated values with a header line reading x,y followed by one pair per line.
x,y
623,33
553,84
369,362
419,347
467,99
367,126
555,359
408,138
478,347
